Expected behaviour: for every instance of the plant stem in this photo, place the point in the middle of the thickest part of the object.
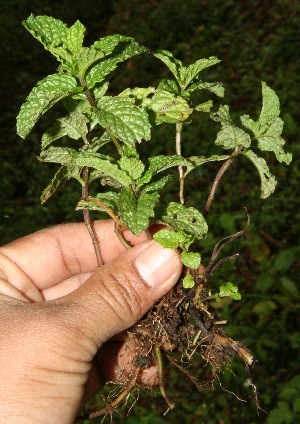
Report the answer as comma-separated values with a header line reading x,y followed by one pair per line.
x,y
85,189
218,177
180,167
87,219
119,226
116,143
87,93
93,103
106,208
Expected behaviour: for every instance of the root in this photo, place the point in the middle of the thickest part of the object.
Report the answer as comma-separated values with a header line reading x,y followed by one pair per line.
x,y
158,357
110,408
184,328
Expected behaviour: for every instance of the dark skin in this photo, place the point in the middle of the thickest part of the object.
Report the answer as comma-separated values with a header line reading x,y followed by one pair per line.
x,y
63,320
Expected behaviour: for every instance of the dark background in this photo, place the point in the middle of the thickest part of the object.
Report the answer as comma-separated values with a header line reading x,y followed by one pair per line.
x,y
257,41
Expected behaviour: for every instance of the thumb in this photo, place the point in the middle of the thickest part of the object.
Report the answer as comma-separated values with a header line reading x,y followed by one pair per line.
x,y
120,292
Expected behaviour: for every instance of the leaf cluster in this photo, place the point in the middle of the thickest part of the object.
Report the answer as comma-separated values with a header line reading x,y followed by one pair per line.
x,y
132,187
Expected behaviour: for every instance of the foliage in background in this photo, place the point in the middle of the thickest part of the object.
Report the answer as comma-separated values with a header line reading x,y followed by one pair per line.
x,y
254,46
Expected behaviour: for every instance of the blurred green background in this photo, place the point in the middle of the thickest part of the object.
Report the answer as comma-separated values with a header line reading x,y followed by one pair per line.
x,y
257,41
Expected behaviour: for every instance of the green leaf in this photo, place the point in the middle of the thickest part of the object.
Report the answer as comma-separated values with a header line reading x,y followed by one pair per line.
x,y
200,160
100,90
51,32
105,180
204,107
133,166
60,178
56,37
156,185
230,136
169,60
47,92
230,290
118,48
188,282
217,297
136,212
285,259
169,85
214,87
264,308
268,128
77,104
103,164
161,163
188,74
173,239
268,181
123,120
167,238
290,288
75,37
119,45
85,58
73,126
185,239
187,219
98,142
140,94
62,155
191,259
169,107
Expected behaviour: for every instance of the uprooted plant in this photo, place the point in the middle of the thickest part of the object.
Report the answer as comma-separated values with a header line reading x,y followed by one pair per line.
x,y
130,187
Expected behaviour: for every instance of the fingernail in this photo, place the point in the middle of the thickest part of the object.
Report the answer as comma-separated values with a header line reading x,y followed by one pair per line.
x,y
156,265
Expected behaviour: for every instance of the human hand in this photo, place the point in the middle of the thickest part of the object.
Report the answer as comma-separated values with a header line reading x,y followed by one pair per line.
x,y
58,312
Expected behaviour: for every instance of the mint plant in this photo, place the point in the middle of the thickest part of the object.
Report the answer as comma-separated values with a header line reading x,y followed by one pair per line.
x,y
131,187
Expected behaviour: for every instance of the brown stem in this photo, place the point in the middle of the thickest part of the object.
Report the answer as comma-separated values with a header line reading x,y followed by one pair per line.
x,y
218,177
87,93
93,103
120,236
87,219
85,189
107,210
180,167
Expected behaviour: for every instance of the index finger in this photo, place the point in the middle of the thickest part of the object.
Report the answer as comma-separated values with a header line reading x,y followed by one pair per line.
x,y
55,254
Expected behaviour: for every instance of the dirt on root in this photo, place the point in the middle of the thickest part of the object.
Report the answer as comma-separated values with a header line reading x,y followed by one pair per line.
x,y
181,327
